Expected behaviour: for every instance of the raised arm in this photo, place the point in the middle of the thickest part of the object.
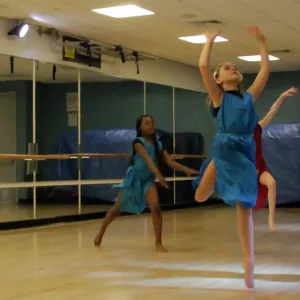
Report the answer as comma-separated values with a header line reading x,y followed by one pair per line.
x,y
275,107
263,75
214,91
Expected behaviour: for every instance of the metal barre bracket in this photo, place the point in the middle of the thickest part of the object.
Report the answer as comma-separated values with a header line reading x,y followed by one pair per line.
x,y
31,164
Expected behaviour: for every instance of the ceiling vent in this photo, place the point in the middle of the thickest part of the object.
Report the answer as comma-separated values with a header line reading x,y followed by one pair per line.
x,y
188,16
206,22
202,24
280,51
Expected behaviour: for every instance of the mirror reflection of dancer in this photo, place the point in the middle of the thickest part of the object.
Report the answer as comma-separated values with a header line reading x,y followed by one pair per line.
x,y
267,184
231,170
138,187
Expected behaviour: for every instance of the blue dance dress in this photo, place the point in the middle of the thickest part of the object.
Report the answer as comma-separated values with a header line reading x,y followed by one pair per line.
x,y
137,181
233,151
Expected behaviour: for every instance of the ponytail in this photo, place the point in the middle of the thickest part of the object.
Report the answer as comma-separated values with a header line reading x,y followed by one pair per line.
x,y
158,155
131,161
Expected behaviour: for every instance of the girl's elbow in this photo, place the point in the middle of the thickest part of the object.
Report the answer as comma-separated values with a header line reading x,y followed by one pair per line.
x,y
169,163
203,67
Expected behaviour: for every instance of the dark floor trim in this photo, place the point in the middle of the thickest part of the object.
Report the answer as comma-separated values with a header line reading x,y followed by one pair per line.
x,y
100,215
91,216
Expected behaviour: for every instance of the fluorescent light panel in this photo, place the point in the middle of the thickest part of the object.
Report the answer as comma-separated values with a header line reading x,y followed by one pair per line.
x,y
201,39
256,58
124,11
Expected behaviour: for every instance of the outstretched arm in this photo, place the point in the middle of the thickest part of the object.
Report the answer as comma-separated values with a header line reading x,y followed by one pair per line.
x,y
213,90
275,107
176,166
263,75
140,149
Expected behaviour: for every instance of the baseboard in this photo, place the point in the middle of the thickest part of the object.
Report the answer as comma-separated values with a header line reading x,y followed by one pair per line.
x,y
288,205
13,225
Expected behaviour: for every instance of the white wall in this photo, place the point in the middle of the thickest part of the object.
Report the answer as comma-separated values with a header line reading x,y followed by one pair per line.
x,y
45,49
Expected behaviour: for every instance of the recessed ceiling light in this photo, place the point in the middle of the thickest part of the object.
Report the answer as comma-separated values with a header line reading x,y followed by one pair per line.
x,y
124,11
256,57
201,39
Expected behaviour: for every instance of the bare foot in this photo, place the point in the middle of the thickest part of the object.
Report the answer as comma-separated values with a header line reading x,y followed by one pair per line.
x,y
272,226
160,248
249,275
97,240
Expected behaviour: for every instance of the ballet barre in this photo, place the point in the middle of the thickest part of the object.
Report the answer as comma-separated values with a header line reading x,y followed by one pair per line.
x,y
35,158
31,157
11,185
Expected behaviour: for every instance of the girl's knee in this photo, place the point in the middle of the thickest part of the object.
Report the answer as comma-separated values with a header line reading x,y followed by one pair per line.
x,y
272,184
200,196
155,208
115,210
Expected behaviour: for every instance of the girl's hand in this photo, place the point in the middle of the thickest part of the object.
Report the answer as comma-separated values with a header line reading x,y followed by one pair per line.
x,y
211,35
162,181
290,92
256,33
190,172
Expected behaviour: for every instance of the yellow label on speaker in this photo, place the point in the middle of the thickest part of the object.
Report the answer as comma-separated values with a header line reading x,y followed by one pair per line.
x,y
69,52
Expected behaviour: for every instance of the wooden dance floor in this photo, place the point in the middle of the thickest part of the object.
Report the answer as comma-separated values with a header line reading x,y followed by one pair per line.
x,y
204,259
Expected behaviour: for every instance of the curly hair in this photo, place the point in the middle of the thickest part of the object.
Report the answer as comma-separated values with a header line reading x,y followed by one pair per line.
x,y
138,124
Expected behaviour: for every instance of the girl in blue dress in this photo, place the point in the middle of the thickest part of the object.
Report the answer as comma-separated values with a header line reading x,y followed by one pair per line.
x,y
138,187
230,169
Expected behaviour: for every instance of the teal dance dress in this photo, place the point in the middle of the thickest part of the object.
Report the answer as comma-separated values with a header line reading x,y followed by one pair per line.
x,y
233,151
138,179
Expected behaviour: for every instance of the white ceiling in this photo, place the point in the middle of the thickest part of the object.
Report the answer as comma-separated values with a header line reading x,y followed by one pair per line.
x,y
23,69
158,34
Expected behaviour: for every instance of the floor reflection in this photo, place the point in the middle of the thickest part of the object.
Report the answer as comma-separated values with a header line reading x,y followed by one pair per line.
x,y
18,212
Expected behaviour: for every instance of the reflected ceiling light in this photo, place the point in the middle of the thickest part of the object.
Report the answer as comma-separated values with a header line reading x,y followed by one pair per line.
x,y
19,30
253,58
201,39
38,18
124,11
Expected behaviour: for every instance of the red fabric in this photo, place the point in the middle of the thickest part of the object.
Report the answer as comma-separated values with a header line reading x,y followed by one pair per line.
x,y
260,167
